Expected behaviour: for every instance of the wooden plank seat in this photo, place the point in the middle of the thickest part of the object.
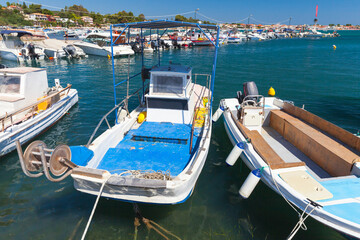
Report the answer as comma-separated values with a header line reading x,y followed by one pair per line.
x,y
326,152
263,148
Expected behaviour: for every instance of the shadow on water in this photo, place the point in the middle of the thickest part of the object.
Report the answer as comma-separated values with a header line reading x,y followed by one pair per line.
x,y
306,71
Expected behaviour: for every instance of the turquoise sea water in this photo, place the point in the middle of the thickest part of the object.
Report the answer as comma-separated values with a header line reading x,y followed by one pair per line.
x,y
305,71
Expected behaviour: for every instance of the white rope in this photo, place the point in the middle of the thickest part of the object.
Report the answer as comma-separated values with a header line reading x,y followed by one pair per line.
x,y
290,204
93,210
301,222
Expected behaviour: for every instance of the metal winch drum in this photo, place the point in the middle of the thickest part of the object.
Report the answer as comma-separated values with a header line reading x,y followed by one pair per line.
x,y
38,158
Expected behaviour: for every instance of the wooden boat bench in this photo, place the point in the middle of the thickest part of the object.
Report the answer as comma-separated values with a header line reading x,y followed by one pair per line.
x,y
263,148
325,151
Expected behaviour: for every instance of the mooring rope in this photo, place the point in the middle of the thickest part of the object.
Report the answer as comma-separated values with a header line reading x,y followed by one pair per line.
x,y
93,210
301,222
150,225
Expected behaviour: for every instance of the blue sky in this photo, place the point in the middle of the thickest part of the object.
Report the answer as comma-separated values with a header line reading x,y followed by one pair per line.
x,y
264,11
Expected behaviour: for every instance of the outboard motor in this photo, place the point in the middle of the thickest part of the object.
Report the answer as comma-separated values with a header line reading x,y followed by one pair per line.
x,y
23,53
153,45
249,88
32,54
70,50
135,47
164,45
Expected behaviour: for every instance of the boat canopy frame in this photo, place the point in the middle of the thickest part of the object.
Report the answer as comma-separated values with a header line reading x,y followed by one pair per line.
x,y
160,25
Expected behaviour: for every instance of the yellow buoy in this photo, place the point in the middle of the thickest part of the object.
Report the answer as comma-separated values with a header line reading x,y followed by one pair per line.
x,y
334,47
271,92
109,56
141,117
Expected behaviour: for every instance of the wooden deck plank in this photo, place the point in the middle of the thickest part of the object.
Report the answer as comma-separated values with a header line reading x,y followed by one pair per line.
x,y
333,157
346,137
268,154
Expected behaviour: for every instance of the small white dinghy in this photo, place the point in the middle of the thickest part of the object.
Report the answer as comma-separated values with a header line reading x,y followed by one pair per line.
x,y
312,163
28,106
154,153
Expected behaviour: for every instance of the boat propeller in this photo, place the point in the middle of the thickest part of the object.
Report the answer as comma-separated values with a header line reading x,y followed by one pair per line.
x,y
42,160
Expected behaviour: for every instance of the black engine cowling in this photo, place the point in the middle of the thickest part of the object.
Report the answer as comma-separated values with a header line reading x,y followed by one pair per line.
x,y
70,50
249,88
32,54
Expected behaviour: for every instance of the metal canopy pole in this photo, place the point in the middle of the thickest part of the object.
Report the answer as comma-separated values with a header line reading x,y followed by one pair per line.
x,y
214,69
128,35
206,35
142,59
158,46
113,67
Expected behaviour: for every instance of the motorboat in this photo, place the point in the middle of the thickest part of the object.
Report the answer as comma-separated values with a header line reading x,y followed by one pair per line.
x,y
198,39
13,48
28,106
99,44
313,164
153,153
56,49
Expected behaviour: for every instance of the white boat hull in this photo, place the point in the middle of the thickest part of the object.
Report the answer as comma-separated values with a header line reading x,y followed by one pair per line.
x,y
272,179
31,128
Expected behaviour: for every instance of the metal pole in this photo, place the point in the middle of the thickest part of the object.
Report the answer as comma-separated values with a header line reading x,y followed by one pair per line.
x,y
214,69
142,59
142,48
158,45
113,68
128,35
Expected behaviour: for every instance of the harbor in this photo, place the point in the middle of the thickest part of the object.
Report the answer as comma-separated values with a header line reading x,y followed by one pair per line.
x,y
216,206
140,123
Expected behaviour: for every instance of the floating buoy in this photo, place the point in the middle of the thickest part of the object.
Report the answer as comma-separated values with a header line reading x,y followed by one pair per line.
x,y
334,47
218,113
51,58
235,153
250,183
271,92
108,56
141,117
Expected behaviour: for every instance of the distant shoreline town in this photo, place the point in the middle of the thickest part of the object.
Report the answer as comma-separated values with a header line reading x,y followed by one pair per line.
x,y
14,14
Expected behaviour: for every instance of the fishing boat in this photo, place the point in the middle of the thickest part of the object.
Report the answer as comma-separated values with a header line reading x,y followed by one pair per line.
x,y
313,164
100,44
28,106
13,48
153,153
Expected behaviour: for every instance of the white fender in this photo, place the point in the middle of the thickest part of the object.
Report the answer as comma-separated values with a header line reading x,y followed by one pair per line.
x,y
235,153
250,183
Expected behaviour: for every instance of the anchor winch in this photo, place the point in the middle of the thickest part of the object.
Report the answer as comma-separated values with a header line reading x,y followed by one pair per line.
x,y
54,163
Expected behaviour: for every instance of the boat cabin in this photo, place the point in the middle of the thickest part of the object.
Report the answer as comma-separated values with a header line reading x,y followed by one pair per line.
x,y
169,98
20,87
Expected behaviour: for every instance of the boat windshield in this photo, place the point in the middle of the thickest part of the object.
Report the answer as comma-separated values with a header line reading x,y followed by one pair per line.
x,y
10,84
101,41
13,42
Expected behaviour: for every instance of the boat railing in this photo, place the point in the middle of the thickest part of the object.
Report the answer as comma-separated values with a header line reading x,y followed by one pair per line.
x,y
123,103
9,117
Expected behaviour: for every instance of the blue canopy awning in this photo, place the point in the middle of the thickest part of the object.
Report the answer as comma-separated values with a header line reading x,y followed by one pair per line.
x,y
19,32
